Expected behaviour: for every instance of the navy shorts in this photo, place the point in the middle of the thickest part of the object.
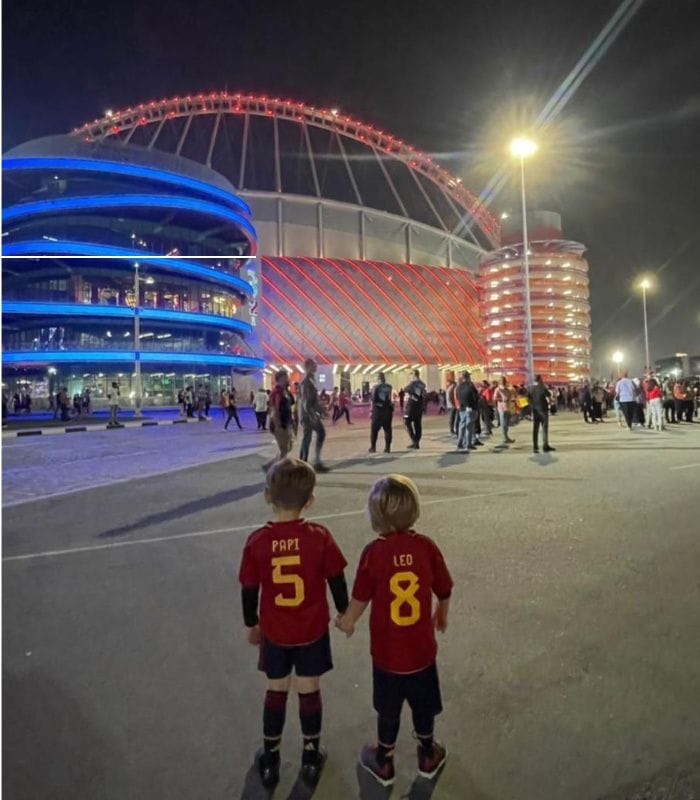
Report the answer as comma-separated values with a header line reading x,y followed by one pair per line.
x,y
306,660
421,690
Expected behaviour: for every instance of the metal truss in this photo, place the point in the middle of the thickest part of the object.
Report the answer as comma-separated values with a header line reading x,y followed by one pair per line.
x,y
124,123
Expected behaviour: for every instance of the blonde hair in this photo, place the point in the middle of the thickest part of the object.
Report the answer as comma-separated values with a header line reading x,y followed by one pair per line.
x,y
290,483
393,504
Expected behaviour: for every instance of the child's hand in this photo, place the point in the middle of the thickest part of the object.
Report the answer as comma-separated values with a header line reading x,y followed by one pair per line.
x,y
343,624
440,621
253,635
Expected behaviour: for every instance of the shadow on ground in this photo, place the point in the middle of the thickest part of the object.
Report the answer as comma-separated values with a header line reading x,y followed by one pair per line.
x,y
193,507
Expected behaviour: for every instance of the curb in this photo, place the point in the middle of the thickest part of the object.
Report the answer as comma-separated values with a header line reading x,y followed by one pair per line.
x,y
146,423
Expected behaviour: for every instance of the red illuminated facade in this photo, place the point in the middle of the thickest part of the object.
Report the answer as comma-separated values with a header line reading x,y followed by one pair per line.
x,y
559,302
368,312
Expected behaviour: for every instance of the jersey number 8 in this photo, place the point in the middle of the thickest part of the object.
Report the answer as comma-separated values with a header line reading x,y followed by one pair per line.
x,y
295,580
404,596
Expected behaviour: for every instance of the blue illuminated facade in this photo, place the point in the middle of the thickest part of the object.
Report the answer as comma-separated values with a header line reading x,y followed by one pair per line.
x,y
123,231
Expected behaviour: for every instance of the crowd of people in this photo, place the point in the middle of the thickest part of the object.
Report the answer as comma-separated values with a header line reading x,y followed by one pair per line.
x,y
474,410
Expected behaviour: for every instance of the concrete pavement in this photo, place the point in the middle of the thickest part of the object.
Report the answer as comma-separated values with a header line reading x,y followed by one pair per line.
x,y
568,669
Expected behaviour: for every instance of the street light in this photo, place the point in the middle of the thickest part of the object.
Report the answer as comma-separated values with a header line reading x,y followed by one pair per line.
x,y
137,337
617,358
521,148
645,284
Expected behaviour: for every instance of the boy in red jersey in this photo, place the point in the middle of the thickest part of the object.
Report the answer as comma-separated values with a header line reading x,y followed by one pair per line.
x,y
291,560
399,572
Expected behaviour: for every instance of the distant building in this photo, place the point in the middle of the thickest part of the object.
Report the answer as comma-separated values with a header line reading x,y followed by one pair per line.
x,y
680,365
559,302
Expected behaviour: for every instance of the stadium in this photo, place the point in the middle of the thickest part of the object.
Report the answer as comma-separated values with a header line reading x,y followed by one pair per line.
x,y
367,248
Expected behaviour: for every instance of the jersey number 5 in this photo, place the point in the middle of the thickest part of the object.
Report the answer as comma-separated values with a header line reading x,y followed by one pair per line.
x,y
295,580
404,596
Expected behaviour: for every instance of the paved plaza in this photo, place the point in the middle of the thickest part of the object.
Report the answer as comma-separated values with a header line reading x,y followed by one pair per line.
x,y
569,668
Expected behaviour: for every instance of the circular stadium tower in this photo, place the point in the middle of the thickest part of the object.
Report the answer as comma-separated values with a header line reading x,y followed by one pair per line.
x,y
368,249
559,302
96,235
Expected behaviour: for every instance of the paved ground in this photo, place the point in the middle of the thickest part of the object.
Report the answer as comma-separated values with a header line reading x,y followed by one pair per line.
x,y
569,669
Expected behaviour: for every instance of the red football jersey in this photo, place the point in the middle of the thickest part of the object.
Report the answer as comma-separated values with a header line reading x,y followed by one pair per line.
x,y
399,573
291,562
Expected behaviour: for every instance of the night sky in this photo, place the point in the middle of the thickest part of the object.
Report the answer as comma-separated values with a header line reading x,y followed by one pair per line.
x,y
457,79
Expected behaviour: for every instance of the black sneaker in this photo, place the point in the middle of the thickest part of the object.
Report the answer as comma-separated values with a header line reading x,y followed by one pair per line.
x,y
479,444
429,765
269,768
387,449
319,467
372,450
535,450
311,769
548,449
383,774
413,446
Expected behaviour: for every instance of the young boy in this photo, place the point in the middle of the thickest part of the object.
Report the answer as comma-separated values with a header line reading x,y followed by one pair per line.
x,y
398,573
290,561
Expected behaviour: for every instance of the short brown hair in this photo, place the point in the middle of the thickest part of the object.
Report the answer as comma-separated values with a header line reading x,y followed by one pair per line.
x,y
290,483
394,504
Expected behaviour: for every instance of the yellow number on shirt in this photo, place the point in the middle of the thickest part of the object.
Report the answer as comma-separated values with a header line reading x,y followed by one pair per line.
x,y
404,595
295,580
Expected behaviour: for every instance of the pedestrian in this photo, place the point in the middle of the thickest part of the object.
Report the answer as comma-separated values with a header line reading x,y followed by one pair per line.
x,y
597,400
399,572
87,402
586,398
260,406
505,405
113,401
310,416
231,409
625,392
442,402
284,570
540,400
189,401
382,413
344,406
281,417
402,393
451,402
468,402
295,407
202,394
207,400
485,407
655,403
16,402
77,404
28,402
415,406
335,410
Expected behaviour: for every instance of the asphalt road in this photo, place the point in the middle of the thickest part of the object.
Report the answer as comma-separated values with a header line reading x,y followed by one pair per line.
x,y
569,668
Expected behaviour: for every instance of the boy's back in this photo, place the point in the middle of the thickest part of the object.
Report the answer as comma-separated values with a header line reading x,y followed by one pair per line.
x,y
291,562
398,573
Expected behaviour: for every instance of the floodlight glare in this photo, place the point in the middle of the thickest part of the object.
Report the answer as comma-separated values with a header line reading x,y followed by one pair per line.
x,y
522,147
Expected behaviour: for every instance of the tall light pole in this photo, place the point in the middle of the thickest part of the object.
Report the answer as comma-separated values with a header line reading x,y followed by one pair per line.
x,y
646,284
521,148
137,341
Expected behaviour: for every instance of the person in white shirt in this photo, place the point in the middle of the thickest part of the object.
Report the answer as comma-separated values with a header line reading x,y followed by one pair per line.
x,y
625,394
260,402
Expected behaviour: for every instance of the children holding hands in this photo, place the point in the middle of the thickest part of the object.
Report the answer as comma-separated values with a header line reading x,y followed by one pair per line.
x,y
290,561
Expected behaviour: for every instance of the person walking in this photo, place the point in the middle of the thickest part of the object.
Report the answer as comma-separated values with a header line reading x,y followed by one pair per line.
x,y
281,423
112,399
343,406
655,403
260,406
451,402
468,401
486,407
232,409
597,400
382,413
625,393
402,394
586,398
505,405
413,413
310,413
202,400
540,401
